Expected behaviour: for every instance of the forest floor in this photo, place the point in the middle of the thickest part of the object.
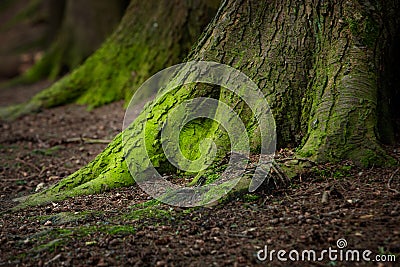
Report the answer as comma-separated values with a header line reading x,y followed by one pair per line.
x,y
118,228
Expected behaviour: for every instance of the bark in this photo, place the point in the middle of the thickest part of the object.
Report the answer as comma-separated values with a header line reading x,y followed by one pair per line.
x,y
326,69
319,65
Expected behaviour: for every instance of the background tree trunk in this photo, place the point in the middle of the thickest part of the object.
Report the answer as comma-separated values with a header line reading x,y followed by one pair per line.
x,y
85,26
323,68
152,35
27,28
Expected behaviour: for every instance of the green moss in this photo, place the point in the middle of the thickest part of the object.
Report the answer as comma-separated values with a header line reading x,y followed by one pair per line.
x,y
128,57
364,27
47,152
149,212
146,204
369,158
343,171
60,237
332,172
51,246
250,197
107,171
66,217
294,168
224,190
121,230
212,178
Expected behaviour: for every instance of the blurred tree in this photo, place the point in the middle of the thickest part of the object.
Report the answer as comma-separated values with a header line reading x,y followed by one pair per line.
x,y
84,26
152,35
27,28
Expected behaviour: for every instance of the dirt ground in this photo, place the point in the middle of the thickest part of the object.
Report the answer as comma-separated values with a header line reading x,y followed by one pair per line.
x,y
328,203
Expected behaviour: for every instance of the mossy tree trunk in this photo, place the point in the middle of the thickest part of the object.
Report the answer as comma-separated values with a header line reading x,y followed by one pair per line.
x,y
326,69
85,26
151,36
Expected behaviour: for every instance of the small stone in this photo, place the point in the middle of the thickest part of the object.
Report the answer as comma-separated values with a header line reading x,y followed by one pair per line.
x,y
325,197
274,221
195,252
199,242
48,223
114,242
161,263
39,187
216,239
53,177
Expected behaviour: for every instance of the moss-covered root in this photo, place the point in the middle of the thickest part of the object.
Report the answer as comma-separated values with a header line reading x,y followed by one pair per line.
x,y
107,171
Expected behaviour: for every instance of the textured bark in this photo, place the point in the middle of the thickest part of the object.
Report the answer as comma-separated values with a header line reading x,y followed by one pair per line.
x,y
320,65
323,67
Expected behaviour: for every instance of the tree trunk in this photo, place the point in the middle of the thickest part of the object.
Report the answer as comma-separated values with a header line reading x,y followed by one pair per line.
x,y
27,28
152,35
325,68
85,26
319,65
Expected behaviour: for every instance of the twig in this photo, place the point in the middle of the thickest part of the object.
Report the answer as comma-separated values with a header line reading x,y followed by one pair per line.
x,y
390,181
284,179
87,140
17,179
238,235
42,171
293,158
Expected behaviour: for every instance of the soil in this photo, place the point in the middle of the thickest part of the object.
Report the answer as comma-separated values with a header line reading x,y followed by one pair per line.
x,y
116,228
